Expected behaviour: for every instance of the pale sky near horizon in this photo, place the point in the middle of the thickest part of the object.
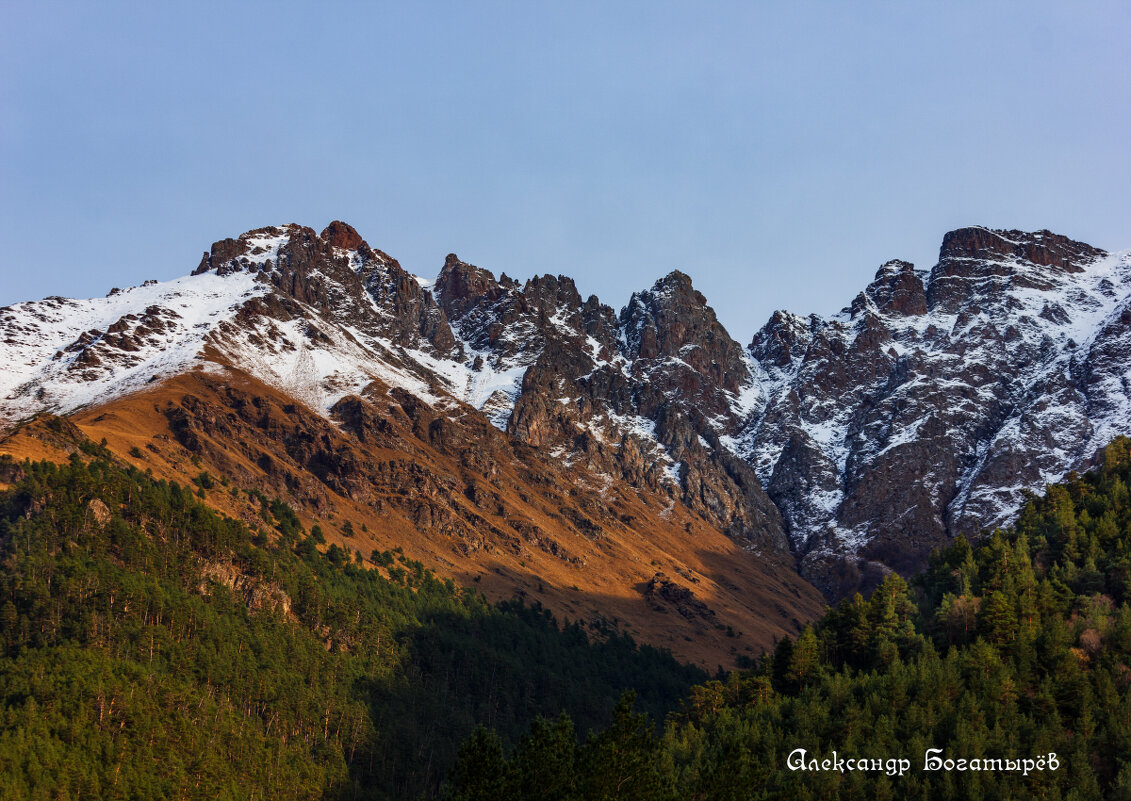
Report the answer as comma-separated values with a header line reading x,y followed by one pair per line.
x,y
776,152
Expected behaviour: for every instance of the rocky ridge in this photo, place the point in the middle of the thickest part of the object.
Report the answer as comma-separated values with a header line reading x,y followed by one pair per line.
x,y
852,444
930,405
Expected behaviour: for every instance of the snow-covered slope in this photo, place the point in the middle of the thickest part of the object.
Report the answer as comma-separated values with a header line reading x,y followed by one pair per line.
x,y
317,345
60,354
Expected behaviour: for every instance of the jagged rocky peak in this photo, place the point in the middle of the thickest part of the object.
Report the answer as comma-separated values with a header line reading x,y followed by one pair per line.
x,y
251,248
344,236
645,320
293,258
601,324
976,264
462,286
560,313
340,276
673,321
289,248
513,320
261,248
783,340
896,290
487,314
555,297
1040,247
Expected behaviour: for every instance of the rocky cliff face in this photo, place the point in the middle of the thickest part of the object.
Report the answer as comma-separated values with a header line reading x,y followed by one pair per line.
x,y
851,445
931,404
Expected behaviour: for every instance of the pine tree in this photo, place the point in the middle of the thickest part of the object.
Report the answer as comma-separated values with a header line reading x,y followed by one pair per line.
x,y
619,764
481,772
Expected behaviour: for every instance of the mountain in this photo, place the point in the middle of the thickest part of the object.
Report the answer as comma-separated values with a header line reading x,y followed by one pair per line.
x,y
929,406
312,367
520,432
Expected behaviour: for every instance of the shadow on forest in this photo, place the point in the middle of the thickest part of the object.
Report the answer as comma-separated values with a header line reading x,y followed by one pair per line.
x,y
500,671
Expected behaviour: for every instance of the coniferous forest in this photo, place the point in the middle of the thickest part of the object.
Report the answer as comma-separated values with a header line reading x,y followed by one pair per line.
x,y
155,649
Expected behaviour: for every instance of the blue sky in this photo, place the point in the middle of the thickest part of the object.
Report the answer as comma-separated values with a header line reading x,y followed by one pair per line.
x,y
777,152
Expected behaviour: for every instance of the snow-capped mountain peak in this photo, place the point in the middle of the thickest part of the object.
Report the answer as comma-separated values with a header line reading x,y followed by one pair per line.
x,y
924,409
